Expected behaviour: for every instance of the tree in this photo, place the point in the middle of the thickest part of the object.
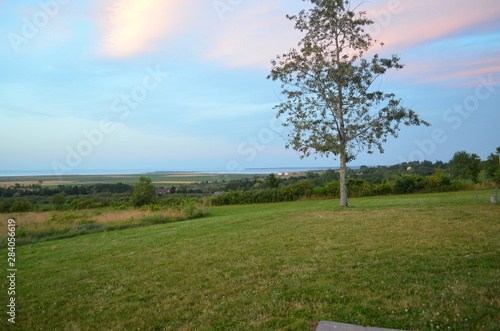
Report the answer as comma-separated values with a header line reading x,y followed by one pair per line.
x,y
144,192
491,165
474,168
58,200
20,206
459,165
272,181
332,106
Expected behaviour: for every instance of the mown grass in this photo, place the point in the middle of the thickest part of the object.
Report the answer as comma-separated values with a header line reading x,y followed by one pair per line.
x,y
418,262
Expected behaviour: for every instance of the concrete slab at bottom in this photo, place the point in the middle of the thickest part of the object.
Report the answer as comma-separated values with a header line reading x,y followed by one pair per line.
x,y
334,326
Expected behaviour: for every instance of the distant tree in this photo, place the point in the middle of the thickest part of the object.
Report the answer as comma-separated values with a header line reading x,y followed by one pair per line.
x,y
20,206
438,180
332,105
328,176
474,168
496,178
272,181
144,192
458,165
439,165
58,200
491,165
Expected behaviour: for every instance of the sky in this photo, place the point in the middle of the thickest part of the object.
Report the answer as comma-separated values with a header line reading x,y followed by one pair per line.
x,y
181,84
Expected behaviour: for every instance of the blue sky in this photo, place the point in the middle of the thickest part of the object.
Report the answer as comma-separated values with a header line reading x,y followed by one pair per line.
x,y
181,85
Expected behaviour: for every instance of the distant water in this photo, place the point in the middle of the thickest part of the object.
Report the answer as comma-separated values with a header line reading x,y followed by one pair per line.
x,y
17,173
249,171
284,169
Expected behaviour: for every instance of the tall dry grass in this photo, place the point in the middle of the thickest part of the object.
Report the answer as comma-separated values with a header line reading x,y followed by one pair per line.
x,y
70,223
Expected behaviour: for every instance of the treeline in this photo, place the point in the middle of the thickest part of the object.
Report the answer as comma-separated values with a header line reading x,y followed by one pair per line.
x,y
357,187
464,171
18,190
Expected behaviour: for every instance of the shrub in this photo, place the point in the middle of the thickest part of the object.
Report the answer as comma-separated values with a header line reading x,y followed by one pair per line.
x,y
319,191
438,181
304,186
20,206
290,193
333,188
385,188
358,187
5,206
408,184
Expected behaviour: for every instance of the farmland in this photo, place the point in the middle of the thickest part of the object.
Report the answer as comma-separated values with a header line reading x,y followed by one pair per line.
x,y
159,178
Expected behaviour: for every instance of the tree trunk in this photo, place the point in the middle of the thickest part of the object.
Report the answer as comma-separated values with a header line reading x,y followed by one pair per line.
x,y
343,180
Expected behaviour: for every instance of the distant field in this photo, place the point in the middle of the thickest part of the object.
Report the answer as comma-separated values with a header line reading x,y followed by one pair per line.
x,y
416,262
157,178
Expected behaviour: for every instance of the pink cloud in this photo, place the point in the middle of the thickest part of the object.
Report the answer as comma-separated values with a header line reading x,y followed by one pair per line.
x,y
465,73
130,27
252,36
255,34
415,22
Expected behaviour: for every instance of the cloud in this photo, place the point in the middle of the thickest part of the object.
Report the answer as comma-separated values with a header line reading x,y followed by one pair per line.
x,y
416,22
129,27
252,36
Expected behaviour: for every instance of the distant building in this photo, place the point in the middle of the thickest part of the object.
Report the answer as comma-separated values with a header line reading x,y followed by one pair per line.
x,y
160,191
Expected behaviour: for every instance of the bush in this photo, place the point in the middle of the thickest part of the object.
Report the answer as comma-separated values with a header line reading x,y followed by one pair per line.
x,y
5,206
333,188
80,204
304,186
290,193
358,187
405,184
385,188
438,181
319,191
285,193
20,206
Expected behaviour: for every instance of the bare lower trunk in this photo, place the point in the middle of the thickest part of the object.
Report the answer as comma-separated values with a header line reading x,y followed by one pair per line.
x,y
343,180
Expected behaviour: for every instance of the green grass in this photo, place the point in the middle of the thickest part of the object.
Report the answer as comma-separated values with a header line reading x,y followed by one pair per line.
x,y
414,262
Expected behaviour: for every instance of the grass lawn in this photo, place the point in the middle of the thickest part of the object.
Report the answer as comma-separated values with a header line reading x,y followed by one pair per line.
x,y
418,262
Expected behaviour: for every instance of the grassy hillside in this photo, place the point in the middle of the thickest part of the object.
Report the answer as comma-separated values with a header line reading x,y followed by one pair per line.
x,y
412,262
